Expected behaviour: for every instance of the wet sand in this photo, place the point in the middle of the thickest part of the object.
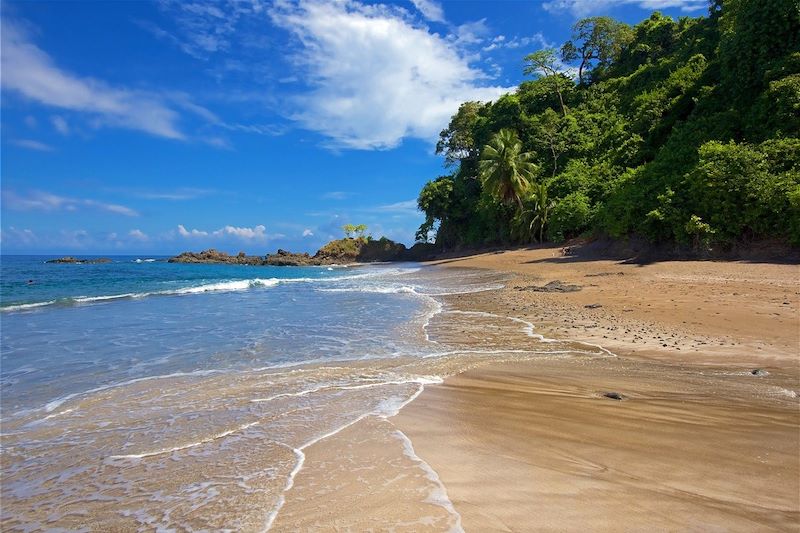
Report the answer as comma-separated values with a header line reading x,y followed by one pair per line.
x,y
697,443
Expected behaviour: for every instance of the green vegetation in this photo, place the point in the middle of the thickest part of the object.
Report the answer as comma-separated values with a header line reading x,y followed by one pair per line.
x,y
351,230
682,131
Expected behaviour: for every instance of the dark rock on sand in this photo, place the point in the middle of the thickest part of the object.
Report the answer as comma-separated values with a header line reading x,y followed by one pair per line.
x,y
75,261
553,286
593,306
759,372
614,396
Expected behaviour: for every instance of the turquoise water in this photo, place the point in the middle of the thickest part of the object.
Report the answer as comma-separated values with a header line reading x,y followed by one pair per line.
x,y
141,395
82,327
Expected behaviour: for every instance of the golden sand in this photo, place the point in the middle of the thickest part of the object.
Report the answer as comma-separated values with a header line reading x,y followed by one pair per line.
x,y
697,443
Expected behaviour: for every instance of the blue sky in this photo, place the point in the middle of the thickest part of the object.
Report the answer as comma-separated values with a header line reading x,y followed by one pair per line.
x,y
137,127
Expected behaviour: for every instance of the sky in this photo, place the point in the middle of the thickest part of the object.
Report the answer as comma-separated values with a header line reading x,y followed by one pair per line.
x,y
252,125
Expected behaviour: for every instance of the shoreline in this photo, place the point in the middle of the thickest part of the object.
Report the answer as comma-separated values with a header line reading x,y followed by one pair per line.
x,y
698,441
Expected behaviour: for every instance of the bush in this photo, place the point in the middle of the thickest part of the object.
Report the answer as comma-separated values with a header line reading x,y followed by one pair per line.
x,y
571,216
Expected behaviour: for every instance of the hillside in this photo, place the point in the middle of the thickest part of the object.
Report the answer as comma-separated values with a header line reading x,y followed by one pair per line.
x,y
684,132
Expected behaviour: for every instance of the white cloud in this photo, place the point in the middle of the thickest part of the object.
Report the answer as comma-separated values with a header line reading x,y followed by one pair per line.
x,y
60,124
582,8
184,193
336,195
376,77
206,28
30,144
257,233
471,32
407,206
138,235
538,40
44,201
28,70
18,236
183,232
308,233
430,10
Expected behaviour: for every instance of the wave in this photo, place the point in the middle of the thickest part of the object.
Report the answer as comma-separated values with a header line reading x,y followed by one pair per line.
x,y
221,286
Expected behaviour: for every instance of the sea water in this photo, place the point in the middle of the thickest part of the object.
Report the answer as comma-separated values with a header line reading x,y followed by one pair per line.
x,y
142,394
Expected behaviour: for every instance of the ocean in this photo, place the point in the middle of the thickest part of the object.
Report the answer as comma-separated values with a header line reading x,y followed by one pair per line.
x,y
146,395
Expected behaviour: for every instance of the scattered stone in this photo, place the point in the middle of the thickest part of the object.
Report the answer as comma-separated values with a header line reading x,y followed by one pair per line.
x,y
593,306
553,286
759,372
615,396
599,274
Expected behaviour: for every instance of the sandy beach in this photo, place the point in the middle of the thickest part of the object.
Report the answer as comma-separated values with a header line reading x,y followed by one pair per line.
x,y
706,435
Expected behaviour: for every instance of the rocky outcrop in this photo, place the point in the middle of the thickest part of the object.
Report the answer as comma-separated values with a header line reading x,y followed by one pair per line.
x,y
75,261
284,258
213,256
341,251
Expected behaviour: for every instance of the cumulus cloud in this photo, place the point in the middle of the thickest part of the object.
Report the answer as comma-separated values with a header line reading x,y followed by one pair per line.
x,y
183,232
582,8
45,201
376,77
137,235
308,233
257,233
430,10
29,71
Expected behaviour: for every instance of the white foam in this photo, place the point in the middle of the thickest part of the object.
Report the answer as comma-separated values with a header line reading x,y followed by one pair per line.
x,y
528,328
205,440
221,286
330,386
228,286
375,290
22,307
439,495
383,411
54,404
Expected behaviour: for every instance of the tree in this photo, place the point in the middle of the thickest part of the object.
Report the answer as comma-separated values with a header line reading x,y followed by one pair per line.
x,y
545,63
457,141
598,39
532,220
505,170
435,201
349,230
555,134
360,230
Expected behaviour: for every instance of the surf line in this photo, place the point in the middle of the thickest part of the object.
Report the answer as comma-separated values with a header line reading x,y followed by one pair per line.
x,y
301,456
205,440
528,328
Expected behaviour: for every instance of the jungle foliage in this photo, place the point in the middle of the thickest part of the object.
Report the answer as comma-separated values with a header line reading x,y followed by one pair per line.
x,y
684,131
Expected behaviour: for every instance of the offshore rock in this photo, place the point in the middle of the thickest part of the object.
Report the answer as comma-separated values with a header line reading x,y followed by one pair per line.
x,y
75,261
213,256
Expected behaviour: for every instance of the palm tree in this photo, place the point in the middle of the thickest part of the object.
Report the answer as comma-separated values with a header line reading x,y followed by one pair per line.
x,y
541,208
505,170
532,219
